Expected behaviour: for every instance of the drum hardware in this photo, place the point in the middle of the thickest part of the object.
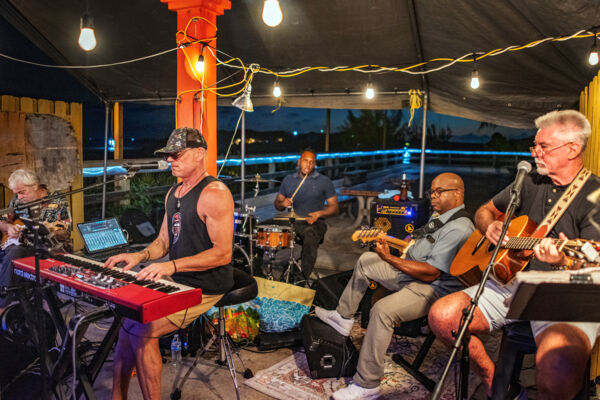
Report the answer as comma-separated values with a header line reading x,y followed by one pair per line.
x,y
289,270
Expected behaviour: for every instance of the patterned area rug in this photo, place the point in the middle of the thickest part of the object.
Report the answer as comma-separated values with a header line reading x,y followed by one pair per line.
x,y
290,378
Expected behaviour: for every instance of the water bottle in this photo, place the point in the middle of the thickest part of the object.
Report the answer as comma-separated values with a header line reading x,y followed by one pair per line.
x,y
175,350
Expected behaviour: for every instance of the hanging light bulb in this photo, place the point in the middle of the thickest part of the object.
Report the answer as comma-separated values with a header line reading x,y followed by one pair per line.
x,y
272,14
370,92
593,58
87,39
199,66
474,79
276,90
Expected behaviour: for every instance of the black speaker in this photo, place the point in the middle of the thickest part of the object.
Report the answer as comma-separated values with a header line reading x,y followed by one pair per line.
x,y
329,354
399,218
328,289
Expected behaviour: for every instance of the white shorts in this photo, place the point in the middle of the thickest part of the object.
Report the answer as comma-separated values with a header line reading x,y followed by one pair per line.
x,y
494,309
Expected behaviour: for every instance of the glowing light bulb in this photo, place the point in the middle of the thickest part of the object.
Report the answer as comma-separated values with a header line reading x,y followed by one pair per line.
x,y
199,66
593,58
87,39
370,92
272,15
474,79
276,90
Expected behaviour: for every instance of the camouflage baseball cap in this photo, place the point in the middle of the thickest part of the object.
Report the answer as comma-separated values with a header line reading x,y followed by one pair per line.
x,y
181,139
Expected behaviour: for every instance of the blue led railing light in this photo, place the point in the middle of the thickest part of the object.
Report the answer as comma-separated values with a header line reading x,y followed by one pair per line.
x,y
234,162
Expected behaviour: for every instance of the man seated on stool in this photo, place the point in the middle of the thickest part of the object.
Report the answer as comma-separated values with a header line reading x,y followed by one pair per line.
x,y
311,194
196,233
417,281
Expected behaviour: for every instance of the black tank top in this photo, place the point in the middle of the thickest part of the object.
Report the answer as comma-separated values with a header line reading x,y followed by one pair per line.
x,y
188,236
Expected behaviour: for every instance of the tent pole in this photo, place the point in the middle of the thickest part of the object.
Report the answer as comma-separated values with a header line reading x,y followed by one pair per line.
x,y
243,165
423,141
106,112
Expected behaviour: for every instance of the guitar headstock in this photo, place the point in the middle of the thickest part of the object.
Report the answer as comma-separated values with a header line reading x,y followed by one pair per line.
x,y
582,249
367,235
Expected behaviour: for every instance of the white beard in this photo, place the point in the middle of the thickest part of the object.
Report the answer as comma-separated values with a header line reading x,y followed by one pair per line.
x,y
541,167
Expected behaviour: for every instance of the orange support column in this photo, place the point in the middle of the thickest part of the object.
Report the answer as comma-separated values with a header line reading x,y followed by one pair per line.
x,y
197,20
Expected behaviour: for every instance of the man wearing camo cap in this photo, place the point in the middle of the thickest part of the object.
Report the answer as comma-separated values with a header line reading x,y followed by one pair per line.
x,y
196,233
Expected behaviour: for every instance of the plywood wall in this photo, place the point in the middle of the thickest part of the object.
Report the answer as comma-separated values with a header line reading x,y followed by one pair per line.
x,y
15,151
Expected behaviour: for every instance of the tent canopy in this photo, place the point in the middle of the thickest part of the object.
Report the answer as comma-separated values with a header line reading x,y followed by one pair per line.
x,y
516,86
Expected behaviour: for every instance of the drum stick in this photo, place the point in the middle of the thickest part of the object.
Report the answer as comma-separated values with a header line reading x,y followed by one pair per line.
x,y
298,188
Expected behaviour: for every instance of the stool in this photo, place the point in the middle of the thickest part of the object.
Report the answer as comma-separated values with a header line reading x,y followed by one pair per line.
x,y
517,341
412,329
244,289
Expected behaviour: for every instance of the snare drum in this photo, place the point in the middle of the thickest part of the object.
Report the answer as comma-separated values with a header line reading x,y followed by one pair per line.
x,y
243,223
273,236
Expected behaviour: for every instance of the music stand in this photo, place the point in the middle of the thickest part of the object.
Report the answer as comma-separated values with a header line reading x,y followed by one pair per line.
x,y
573,302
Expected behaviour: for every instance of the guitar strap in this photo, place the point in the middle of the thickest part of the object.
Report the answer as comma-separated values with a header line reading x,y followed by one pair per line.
x,y
565,200
435,224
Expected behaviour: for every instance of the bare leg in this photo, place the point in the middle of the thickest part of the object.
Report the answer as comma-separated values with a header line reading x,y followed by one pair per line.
x,y
124,361
143,344
444,317
561,361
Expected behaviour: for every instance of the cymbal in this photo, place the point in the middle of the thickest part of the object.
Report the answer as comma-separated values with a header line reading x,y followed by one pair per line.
x,y
256,179
289,215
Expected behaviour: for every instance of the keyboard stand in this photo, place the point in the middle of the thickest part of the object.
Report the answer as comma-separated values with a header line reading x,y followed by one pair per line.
x,y
60,371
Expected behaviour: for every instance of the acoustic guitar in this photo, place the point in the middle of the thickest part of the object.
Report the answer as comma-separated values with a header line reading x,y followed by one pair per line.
x,y
513,257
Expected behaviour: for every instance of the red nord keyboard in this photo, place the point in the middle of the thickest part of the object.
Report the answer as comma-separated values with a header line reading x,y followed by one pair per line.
x,y
142,300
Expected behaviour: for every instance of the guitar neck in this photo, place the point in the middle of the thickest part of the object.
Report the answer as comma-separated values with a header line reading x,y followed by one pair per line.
x,y
396,243
528,243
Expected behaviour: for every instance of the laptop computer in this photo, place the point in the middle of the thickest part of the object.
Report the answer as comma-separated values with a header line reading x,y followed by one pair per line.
x,y
103,238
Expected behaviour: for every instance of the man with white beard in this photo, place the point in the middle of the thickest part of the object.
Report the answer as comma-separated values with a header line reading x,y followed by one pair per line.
x,y
563,348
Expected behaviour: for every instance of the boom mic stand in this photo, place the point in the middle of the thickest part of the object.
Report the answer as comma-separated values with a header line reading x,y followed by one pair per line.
x,y
36,227
463,337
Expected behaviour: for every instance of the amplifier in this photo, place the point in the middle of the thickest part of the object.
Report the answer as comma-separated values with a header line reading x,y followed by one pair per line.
x,y
399,218
329,354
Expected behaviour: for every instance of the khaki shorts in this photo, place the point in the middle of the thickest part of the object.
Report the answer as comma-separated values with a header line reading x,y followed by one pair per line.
x,y
183,318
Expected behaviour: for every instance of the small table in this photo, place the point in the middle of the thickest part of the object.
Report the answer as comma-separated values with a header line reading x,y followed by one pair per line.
x,y
365,199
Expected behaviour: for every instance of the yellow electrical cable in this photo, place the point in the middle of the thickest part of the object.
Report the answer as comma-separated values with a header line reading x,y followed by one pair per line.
x,y
415,102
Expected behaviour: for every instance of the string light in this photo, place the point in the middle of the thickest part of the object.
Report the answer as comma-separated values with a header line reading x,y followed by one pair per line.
x,y
276,89
272,15
199,66
593,58
87,39
474,74
370,92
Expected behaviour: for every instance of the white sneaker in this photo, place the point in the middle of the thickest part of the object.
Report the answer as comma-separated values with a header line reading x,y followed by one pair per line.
x,y
335,320
355,392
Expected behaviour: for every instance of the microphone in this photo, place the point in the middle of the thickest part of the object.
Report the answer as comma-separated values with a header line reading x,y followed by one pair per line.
x,y
158,164
523,168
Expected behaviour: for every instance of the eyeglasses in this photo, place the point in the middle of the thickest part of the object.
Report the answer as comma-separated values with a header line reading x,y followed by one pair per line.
x,y
542,152
174,156
437,192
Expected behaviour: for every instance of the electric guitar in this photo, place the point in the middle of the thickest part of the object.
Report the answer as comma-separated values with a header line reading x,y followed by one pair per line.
x,y
523,236
370,235
4,240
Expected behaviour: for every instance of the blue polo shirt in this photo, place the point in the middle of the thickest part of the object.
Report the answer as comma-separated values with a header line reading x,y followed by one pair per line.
x,y
312,195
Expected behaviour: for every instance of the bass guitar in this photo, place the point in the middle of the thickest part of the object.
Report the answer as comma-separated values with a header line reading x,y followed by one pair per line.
x,y
370,235
513,257
3,242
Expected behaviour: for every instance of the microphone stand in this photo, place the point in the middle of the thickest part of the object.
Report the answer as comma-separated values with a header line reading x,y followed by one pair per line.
x,y
464,337
38,286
